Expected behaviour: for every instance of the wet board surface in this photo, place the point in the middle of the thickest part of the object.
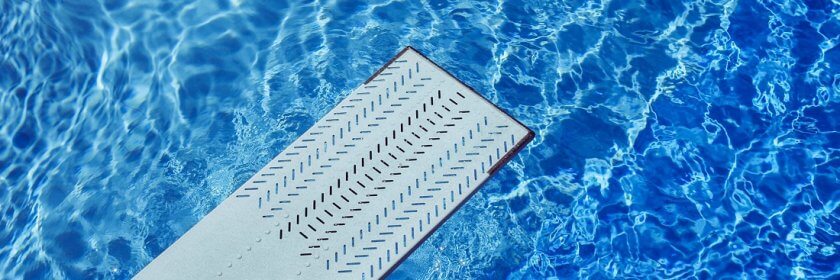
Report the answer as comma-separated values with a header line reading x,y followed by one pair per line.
x,y
362,188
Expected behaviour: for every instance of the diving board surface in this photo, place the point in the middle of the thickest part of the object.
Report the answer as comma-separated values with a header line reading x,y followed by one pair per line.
x,y
362,188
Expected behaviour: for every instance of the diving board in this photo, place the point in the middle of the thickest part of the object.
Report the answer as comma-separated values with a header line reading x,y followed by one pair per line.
x,y
361,189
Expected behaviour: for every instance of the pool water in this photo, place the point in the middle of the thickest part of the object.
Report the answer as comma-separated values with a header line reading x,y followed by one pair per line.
x,y
674,139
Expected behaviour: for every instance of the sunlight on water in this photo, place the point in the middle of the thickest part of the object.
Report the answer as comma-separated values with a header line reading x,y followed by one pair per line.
x,y
674,139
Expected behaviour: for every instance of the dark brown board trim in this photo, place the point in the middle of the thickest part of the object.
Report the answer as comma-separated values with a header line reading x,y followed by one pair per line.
x,y
507,157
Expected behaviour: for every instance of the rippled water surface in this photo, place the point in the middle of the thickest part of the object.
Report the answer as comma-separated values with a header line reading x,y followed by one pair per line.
x,y
674,139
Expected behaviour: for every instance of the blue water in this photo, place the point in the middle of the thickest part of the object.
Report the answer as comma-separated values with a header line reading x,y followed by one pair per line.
x,y
674,139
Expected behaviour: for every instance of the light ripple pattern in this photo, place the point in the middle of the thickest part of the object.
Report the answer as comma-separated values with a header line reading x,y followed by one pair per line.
x,y
675,139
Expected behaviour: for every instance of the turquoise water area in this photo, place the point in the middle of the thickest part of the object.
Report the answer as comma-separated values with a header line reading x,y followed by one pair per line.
x,y
675,139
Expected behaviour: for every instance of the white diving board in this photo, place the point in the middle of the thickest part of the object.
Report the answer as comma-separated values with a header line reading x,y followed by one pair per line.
x,y
361,189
